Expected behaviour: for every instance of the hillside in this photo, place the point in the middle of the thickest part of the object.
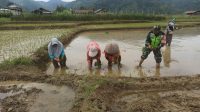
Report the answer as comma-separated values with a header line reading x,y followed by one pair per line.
x,y
140,6
123,6
32,5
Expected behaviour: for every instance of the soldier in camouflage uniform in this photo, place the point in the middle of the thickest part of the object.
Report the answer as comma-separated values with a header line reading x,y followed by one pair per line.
x,y
154,41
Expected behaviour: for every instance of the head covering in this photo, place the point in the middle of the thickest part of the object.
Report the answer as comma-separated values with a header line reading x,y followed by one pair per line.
x,y
54,41
171,24
55,52
112,48
156,28
93,51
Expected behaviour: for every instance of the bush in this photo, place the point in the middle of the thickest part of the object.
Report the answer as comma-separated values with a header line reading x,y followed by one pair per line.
x,y
66,16
5,15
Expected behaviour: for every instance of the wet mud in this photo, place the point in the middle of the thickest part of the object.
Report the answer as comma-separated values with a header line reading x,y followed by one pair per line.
x,y
181,58
35,97
147,95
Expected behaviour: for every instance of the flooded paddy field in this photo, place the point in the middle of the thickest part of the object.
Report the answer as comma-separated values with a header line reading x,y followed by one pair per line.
x,y
94,93
16,43
35,97
182,58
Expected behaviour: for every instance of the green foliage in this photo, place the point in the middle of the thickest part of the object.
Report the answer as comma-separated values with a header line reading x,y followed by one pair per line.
x,y
140,6
3,19
7,64
66,16
90,87
5,15
62,13
60,8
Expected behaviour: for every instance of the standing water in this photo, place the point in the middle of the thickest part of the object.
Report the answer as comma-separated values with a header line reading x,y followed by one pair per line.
x,y
50,99
182,58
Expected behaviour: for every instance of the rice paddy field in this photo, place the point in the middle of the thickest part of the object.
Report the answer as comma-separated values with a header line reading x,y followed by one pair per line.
x,y
16,43
28,88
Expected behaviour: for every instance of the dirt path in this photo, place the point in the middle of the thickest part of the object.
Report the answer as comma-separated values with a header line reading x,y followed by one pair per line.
x,y
147,95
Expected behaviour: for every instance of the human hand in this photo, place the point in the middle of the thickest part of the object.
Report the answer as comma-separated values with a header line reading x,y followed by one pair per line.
x,y
57,59
150,47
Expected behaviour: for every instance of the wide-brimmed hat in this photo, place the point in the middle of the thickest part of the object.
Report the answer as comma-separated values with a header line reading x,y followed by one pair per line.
x,y
112,48
93,51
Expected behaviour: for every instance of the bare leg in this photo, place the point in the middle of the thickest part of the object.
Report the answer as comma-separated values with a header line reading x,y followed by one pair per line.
x,y
141,61
55,63
157,65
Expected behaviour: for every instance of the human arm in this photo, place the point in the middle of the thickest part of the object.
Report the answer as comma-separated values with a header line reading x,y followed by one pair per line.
x,y
148,41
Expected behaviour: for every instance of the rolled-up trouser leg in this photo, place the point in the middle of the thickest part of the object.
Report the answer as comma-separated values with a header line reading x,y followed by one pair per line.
x,y
63,61
145,52
157,55
109,61
169,39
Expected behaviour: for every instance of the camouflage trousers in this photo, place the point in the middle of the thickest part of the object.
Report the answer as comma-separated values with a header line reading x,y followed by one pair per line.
x,y
168,39
157,54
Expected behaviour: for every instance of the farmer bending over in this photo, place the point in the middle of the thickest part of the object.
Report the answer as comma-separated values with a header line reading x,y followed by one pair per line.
x,y
56,53
93,52
112,54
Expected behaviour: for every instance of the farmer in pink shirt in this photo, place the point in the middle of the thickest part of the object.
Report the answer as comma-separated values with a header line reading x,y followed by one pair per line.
x,y
93,52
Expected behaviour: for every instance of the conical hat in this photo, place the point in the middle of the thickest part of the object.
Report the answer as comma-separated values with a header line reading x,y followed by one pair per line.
x,y
112,48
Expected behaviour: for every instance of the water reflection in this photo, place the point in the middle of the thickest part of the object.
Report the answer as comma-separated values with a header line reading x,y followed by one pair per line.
x,y
141,72
114,71
157,72
176,61
167,56
94,72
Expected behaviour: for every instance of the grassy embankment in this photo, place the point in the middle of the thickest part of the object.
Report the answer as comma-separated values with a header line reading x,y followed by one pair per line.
x,y
86,17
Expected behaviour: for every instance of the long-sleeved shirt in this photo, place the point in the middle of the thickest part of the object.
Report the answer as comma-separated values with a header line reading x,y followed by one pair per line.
x,y
55,52
93,44
155,40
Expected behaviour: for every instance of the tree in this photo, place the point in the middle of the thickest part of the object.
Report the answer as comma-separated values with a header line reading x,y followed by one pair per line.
x,y
60,8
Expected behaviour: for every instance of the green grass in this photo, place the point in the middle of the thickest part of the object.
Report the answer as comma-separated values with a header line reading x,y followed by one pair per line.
x,y
34,25
16,43
90,86
7,64
3,19
86,17
185,18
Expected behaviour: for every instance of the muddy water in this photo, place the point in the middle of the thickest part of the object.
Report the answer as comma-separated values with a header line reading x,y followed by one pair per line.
x,y
51,99
182,58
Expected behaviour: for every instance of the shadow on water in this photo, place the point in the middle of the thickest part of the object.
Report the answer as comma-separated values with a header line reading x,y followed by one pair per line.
x,y
181,58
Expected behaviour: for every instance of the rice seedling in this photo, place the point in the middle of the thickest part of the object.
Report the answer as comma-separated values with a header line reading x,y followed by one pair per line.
x,y
17,43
